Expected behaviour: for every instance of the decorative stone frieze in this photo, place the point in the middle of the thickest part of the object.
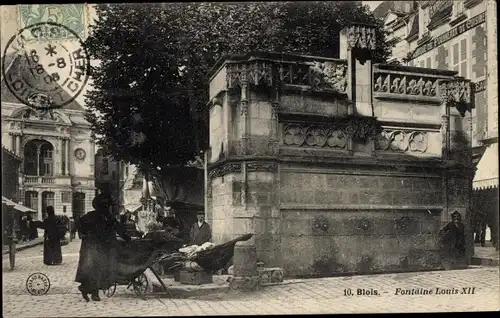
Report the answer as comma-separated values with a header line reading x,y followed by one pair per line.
x,y
401,141
317,136
403,85
262,166
458,90
225,169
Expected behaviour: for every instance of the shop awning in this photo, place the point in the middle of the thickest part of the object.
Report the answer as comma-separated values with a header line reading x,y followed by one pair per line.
x,y
16,206
487,169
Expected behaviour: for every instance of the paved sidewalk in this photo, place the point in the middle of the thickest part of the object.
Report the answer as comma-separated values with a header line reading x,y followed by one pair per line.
x,y
301,296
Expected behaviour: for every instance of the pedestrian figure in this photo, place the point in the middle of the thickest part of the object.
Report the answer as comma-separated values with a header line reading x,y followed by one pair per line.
x,y
72,228
33,231
453,240
200,231
24,228
52,237
98,251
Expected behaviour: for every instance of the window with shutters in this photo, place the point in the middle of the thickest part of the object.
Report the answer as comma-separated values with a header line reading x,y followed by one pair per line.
x,y
66,197
463,58
459,58
455,58
428,63
458,8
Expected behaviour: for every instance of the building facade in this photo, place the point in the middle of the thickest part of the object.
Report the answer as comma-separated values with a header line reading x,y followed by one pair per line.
x,y
56,147
450,35
10,175
122,180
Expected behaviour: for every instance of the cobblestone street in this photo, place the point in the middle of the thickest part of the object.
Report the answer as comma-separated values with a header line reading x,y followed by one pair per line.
x,y
293,297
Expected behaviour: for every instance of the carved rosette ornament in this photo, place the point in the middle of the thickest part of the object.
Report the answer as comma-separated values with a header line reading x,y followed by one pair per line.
x,y
401,141
316,136
361,37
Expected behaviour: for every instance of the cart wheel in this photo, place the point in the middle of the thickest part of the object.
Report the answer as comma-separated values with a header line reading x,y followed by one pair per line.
x,y
141,285
110,291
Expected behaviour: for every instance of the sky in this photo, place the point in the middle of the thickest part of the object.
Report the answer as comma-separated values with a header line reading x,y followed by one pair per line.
x,y
372,4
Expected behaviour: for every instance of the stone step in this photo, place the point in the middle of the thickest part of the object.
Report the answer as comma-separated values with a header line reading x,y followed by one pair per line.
x,y
176,290
484,261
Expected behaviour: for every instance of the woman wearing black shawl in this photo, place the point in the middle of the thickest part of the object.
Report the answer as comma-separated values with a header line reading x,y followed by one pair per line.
x,y
98,252
52,237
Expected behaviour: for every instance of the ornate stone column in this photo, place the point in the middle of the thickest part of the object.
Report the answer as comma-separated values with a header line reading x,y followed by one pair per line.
x,y
60,156
38,150
18,145
12,140
244,104
67,156
356,45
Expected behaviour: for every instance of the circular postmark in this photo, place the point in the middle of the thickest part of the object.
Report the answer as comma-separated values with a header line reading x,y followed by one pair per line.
x,y
45,73
38,284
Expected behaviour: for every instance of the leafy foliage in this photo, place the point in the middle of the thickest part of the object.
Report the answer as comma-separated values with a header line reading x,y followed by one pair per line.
x,y
151,86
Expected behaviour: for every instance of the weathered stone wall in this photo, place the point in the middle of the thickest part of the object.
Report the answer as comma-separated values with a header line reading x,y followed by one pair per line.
x,y
358,241
374,223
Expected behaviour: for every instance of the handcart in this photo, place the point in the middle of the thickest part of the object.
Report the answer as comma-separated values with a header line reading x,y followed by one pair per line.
x,y
141,254
135,258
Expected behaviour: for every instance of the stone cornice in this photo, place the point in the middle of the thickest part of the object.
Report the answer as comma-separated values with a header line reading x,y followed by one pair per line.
x,y
358,207
379,165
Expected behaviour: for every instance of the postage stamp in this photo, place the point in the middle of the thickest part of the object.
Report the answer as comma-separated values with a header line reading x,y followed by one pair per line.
x,y
72,16
46,73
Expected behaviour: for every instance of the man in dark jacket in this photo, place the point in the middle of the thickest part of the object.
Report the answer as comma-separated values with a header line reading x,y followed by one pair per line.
x,y
98,252
453,239
200,231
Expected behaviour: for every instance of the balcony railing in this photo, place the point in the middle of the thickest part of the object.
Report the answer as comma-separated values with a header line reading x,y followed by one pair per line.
x,y
39,180
288,71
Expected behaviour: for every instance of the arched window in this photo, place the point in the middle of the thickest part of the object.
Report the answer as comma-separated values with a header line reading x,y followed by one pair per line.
x,y
38,158
30,158
47,200
46,159
31,200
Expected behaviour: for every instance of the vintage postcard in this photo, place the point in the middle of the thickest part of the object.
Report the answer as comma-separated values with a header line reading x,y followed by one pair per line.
x,y
262,158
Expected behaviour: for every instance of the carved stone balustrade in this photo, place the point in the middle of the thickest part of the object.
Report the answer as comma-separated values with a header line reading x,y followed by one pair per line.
x,y
419,84
279,71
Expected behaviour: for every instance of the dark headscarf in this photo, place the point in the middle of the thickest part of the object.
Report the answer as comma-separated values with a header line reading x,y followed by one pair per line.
x,y
50,210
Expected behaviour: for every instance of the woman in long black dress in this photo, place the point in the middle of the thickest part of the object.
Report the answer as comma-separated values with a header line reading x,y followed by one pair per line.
x,y
52,238
98,251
